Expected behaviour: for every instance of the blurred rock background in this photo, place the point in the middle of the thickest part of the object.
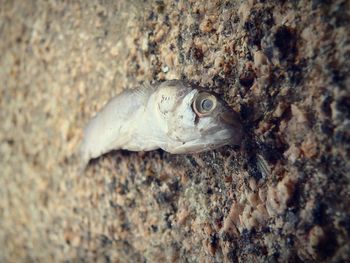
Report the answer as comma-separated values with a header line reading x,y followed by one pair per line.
x,y
284,197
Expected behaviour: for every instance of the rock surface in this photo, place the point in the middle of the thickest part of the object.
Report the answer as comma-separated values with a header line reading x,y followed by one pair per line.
x,y
284,197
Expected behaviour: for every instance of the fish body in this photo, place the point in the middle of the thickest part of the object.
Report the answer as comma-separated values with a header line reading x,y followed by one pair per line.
x,y
173,116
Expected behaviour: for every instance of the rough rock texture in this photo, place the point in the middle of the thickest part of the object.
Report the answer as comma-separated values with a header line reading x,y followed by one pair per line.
x,y
283,197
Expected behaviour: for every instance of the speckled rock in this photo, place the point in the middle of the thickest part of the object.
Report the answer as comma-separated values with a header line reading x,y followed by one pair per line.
x,y
283,197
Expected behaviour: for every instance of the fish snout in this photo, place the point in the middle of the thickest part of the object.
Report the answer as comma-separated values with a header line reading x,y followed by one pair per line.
x,y
233,121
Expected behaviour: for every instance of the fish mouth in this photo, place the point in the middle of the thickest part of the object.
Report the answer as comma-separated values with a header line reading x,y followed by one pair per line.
x,y
230,117
233,122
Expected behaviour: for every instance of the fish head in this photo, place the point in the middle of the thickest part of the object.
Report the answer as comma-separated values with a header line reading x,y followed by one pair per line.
x,y
195,120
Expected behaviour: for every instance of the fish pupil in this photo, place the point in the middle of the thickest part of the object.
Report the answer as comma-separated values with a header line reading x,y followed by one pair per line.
x,y
207,104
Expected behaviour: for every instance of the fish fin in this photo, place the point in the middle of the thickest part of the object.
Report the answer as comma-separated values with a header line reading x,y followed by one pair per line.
x,y
262,165
145,89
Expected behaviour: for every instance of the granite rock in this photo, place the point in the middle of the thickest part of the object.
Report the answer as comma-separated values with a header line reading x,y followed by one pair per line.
x,y
282,197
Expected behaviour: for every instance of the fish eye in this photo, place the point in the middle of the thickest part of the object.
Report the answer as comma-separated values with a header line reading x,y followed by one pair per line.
x,y
204,103
207,104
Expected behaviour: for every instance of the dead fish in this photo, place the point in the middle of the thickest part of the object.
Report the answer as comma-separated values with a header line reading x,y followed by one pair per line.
x,y
173,116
